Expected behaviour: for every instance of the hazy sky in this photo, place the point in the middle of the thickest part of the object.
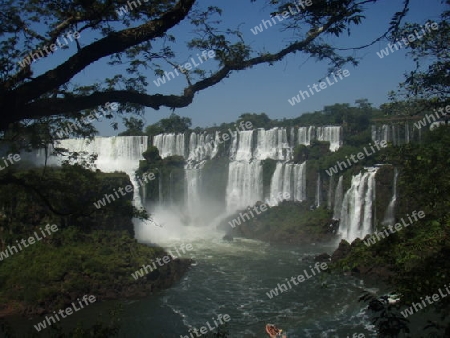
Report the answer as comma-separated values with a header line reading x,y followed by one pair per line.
x,y
267,88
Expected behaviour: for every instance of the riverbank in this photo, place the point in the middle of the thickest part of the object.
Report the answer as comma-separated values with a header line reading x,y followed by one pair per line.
x,y
287,223
73,264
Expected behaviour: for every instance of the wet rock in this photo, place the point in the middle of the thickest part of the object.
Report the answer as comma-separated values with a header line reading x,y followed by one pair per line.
x,y
323,257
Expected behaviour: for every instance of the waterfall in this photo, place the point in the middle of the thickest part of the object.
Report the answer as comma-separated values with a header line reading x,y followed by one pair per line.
x,y
202,147
169,144
273,144
338,197
288,179
305,135
244,186
356,219
300,182
193,202
276,184
120,153
394,133
389,215
292,137
318,191
331,134
330,193
242,146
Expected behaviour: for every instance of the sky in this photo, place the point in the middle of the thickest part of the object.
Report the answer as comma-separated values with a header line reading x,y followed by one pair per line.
x,y
267,89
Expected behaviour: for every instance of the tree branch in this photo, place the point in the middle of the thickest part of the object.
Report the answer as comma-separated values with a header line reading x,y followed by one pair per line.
x,y
115,42
57,106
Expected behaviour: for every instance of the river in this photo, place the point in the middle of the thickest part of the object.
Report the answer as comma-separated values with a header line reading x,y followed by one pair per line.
x,y
234,278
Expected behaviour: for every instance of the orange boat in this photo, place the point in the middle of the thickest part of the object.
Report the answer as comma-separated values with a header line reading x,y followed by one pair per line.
x,y
274,332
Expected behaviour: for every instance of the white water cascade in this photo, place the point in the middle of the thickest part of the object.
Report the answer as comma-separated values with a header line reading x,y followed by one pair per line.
x,y
306,135
356,218
389,215
120,153
318,191
245,186
332,134
288,180
273,144
169,144
396,133
338,197
202,146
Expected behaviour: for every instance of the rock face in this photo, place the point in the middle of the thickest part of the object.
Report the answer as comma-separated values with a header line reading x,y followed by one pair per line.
x,y
156,280
341,252
368,268
324,257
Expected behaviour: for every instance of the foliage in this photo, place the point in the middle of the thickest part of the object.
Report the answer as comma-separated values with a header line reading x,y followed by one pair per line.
x,y
72,262
134,127
418,254
386,317
288,221
35,197
173,124
138,44
430,79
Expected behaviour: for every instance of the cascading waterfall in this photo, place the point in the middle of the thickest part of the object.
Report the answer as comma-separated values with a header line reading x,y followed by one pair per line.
x,y
305,135
292,137
273,144
356,218
331,134
245,186
318,191
244,149
288,180
338,197
202,147
169,144
389,215
120,153
300,182
397,134
193,195
247,149
330,193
